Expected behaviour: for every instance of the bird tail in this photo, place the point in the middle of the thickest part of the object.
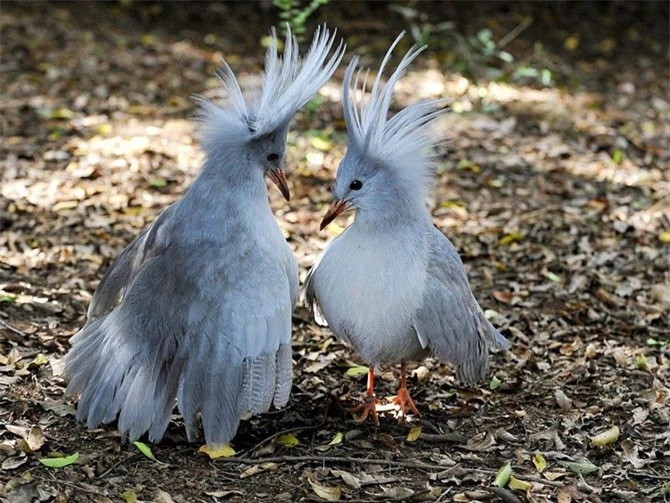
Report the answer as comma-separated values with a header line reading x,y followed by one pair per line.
x,y
115,378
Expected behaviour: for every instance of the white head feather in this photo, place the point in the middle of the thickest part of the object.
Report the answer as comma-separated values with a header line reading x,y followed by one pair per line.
x,y
402,142
288,82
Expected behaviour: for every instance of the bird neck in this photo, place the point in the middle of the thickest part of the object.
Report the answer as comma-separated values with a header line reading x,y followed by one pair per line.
x,y
230,184
406,214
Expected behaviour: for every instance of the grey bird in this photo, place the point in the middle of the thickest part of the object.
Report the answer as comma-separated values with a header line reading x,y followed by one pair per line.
x,y
196,311
392,285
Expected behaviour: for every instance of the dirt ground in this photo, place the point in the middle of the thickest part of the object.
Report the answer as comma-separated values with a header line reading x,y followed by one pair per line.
x,y
554,187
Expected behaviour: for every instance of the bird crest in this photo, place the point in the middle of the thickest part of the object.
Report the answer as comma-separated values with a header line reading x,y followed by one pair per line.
x,y
401,140
287,83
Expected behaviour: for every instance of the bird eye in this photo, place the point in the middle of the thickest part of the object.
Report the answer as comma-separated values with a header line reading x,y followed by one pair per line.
x,y
273,157
356,185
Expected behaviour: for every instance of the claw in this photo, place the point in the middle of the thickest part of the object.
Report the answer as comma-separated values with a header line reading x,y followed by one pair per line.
x,y
364,409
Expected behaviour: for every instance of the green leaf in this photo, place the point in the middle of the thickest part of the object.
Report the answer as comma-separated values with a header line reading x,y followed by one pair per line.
x,y
539,462
158,182
356,371
617,156
503,475
495,383
552,277
582,467
60,462
145,449
337,439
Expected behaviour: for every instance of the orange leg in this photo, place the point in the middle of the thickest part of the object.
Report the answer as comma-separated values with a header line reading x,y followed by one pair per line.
x,y
369,404
402,399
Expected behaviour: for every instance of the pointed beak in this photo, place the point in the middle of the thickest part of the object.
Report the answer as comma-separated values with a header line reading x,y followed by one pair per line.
x,y
279,178
335,208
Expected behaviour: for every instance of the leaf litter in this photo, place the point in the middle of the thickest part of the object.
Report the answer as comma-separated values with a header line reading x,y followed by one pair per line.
x,y
556,197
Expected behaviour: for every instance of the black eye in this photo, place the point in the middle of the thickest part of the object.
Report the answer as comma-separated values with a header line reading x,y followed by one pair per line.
x,y
273,157
356,185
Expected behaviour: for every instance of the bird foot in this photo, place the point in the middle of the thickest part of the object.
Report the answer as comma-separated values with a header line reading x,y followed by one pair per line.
x,y
404,402
368,407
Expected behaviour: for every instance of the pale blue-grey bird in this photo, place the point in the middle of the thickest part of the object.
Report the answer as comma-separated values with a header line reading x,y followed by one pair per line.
x,y
392,285
196,311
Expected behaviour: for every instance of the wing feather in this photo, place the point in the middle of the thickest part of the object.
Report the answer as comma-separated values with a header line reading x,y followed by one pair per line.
x,y
450,322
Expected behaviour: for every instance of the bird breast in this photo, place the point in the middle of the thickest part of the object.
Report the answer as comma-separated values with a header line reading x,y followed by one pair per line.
x,y
369,287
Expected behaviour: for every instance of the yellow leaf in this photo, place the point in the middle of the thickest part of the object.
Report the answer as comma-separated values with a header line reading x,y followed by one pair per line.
x,y
520,485
320,143
61,113
503,475
103,128
414,434
40,359
287,440
641,362
129,496
664,236
539,462
356,371
571,43
324,492
148,40
606,437
225,451
337,439
508,239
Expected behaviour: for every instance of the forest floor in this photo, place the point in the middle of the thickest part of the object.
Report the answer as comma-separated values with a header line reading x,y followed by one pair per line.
x,y
554,187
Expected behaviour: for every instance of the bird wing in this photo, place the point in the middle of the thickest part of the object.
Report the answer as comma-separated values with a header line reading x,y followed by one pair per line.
x,y
242,360
450,322
308,297
111,289
208,328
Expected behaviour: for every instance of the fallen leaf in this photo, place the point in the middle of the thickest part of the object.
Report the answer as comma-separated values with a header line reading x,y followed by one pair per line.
x,y
61,461
630,454
287,440
145,449
414,434
519,485
129,496
337,439
225,451
324,492
503,475
539,462
606,437
356,371
581,467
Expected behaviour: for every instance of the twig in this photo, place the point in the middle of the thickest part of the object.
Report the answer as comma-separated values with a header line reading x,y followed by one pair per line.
x,y
332,459
505,495
446,437
55,480
280,433
12,328
516,31
116,465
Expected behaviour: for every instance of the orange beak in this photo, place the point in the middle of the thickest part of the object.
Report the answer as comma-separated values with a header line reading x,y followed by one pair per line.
x,y
335,208
279,178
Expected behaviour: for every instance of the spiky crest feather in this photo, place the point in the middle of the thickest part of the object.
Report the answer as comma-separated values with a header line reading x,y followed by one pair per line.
x,y
288,82
401,142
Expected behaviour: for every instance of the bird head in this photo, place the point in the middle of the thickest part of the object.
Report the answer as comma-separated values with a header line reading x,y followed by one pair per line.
x,y
388,163
253,127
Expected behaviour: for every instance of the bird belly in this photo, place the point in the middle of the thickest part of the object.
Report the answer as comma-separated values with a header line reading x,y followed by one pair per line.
x,y
369,300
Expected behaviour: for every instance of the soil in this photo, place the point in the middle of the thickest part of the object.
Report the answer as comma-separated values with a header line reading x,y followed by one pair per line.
x,y
554,186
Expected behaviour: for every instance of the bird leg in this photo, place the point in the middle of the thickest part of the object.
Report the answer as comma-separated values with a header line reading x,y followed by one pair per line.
x,y
402,399
369,404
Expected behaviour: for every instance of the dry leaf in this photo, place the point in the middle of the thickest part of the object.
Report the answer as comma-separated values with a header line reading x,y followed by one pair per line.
x,y
324,492
224,451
